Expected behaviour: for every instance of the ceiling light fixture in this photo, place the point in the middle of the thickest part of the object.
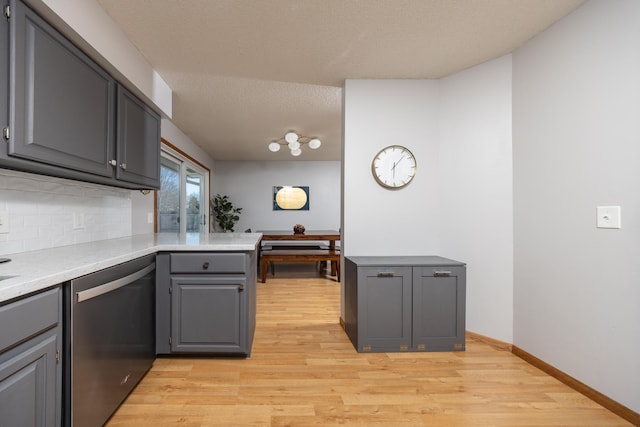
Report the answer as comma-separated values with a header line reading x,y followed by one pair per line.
x,y
295,143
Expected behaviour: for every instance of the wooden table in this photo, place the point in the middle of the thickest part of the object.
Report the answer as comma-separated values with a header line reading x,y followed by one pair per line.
x,y
279,235
309,235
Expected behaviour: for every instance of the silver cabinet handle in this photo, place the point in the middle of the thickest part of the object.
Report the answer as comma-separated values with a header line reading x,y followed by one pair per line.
x,y
385,274
123,166
441,273
112,286
113,163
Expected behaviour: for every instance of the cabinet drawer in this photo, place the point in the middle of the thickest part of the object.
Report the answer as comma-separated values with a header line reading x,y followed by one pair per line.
x,y
213,262
28,317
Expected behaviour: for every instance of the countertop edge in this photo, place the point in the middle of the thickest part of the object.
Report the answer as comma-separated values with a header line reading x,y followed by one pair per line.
x,y
25,279
403,261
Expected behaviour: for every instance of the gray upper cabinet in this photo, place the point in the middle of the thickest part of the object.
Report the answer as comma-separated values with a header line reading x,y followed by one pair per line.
x,y
138,144
62,103
4,77
68,117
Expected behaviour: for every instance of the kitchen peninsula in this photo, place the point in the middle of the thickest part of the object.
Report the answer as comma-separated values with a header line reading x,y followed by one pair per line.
x,y
33,271
72,313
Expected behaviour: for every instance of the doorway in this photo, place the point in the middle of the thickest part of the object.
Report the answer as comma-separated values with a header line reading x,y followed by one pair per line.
x,y
182,203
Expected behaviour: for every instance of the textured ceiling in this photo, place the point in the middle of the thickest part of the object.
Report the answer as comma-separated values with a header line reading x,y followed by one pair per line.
x,y
243,72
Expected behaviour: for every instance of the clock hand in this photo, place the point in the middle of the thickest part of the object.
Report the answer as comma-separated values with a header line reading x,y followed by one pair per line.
x,y
393,168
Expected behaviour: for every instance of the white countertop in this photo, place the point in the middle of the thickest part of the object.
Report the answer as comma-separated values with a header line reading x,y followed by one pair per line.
x,y
37,270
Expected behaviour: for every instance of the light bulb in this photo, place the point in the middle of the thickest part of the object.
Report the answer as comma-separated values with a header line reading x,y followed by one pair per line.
x,y
274,146
291,137
296,152
314,143
294,145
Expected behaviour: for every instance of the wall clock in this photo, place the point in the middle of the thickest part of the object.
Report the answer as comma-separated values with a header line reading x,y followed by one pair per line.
x,y
394,167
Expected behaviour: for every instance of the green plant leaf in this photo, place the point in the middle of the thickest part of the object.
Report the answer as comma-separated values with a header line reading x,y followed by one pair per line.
x,y
226,215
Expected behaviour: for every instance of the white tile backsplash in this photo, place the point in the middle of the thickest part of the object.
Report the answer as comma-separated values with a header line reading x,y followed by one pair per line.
x,y
41,211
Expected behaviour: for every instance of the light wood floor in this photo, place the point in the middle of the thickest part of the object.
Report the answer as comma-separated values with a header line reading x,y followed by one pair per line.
x,y
305,372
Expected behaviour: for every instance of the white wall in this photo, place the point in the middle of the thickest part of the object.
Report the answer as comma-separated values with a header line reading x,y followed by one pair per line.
x,y
249,185
176,137
41,211
142,210
475,177
459,203
378,221
576,122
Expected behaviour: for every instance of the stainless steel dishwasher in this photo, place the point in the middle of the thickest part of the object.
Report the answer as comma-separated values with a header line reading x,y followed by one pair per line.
x,y
109,339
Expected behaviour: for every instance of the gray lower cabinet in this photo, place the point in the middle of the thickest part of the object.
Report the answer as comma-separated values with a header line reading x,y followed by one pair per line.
x,y
206,302
67,116
405,303
384,308
208,314
30,366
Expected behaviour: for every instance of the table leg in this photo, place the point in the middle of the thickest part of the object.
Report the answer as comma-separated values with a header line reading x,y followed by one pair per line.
x,y
264,264
334,269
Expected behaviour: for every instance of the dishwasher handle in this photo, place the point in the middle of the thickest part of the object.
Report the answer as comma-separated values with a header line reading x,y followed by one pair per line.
x,y
113,285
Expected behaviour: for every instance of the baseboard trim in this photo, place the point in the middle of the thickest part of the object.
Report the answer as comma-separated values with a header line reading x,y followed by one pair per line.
x,y
601,399
615,407
500,345
605,401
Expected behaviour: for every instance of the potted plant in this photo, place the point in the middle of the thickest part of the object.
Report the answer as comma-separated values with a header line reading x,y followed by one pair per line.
x,y
225,214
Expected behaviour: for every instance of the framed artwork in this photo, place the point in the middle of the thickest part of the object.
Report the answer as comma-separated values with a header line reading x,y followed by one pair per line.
x,y
290,198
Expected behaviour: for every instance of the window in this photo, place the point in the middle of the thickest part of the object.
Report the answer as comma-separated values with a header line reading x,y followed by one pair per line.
x,y
183,198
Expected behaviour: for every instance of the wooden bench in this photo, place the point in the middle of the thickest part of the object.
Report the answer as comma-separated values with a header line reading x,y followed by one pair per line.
x,y
298,255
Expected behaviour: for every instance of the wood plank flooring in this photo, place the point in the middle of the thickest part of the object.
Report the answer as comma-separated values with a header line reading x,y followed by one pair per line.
x,y
304,372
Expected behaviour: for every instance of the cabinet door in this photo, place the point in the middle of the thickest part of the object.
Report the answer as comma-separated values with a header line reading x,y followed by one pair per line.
x,y
28,384
138,141
4,75
384,308
62,104
208,314
439,308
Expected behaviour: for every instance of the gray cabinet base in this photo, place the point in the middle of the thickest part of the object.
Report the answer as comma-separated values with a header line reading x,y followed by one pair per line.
x,y
405,304
30,368
205,302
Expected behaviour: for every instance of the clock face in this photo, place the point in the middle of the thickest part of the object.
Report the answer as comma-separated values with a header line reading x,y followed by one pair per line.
x,y
394,166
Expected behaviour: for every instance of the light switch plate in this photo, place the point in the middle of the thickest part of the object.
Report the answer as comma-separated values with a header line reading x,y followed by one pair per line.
x,y
4,222
78,221
608,217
